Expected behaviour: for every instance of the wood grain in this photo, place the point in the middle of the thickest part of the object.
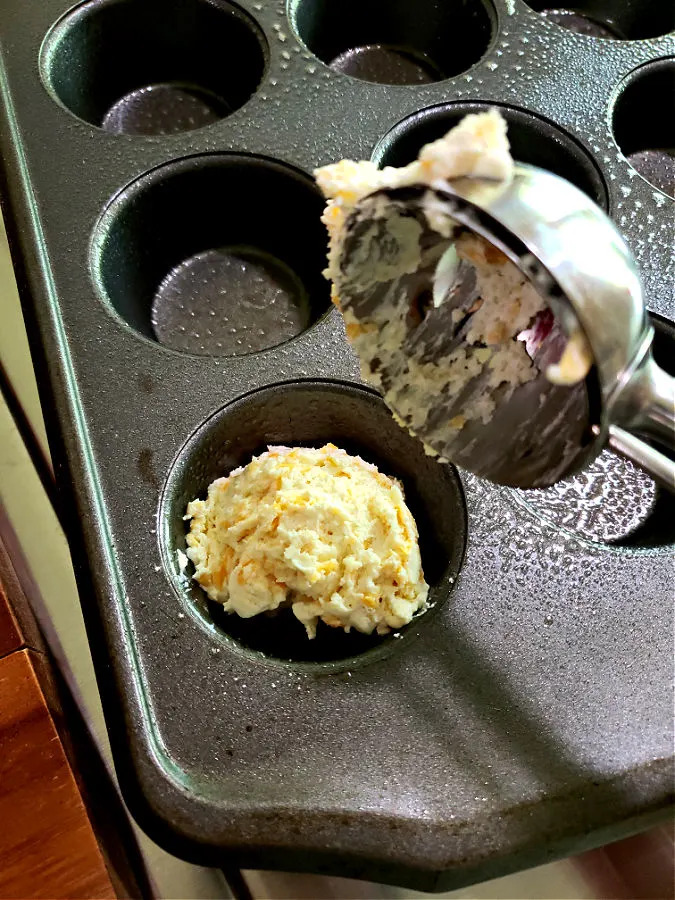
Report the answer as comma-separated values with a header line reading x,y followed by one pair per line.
x,y
17,624
47,846
11,637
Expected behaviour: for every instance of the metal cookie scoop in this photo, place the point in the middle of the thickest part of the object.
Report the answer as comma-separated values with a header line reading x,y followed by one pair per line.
x,y
409,303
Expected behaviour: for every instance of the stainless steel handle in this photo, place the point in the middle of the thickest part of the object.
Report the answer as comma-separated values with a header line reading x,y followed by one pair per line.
x,y
645,406
657,417
652,461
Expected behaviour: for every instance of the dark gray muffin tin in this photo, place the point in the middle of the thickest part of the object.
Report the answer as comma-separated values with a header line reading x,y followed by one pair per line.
x,y
529,714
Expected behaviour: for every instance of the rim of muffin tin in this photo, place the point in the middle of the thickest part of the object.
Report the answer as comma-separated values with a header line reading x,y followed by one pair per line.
x,y
192,598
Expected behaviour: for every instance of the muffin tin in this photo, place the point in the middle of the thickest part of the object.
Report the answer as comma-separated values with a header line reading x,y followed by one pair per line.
x,y
157,165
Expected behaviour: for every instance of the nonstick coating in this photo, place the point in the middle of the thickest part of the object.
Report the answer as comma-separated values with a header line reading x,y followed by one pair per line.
x,y
531,715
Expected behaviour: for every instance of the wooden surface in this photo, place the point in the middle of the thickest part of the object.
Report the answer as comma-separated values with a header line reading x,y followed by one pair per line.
x,y
11,636
47,846
17,624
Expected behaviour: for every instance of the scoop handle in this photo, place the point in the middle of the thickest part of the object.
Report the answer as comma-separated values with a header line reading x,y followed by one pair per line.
x,y
644,407
653,462
657,417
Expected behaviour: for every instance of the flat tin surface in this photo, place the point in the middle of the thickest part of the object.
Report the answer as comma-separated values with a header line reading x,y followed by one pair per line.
x,y
533,718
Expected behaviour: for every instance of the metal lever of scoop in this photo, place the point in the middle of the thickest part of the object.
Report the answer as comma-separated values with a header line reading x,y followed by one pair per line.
x,y
645,407
655,415
652,461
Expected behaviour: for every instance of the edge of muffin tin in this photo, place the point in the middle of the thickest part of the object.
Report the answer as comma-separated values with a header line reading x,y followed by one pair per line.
x,y
90,357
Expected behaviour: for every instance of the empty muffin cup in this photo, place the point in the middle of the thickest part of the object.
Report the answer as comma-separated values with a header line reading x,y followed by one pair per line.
x,y
313,413
147,67
395,41
644,123
199,256
611,18
533,139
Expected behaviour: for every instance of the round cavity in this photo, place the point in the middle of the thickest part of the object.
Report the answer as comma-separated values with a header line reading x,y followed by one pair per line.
x,y
395,41
386,65
643,123
606,502
533,140
147,67
611,18
312,413
612,501
198,256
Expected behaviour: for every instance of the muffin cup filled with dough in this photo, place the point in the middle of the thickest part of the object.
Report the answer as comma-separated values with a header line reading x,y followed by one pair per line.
x,y
298,419
317,530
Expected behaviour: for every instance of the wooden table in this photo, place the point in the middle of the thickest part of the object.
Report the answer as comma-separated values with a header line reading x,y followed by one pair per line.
x,y
48,845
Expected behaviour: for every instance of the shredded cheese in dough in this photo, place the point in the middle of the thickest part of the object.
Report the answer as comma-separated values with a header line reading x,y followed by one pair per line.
x,y
317,530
